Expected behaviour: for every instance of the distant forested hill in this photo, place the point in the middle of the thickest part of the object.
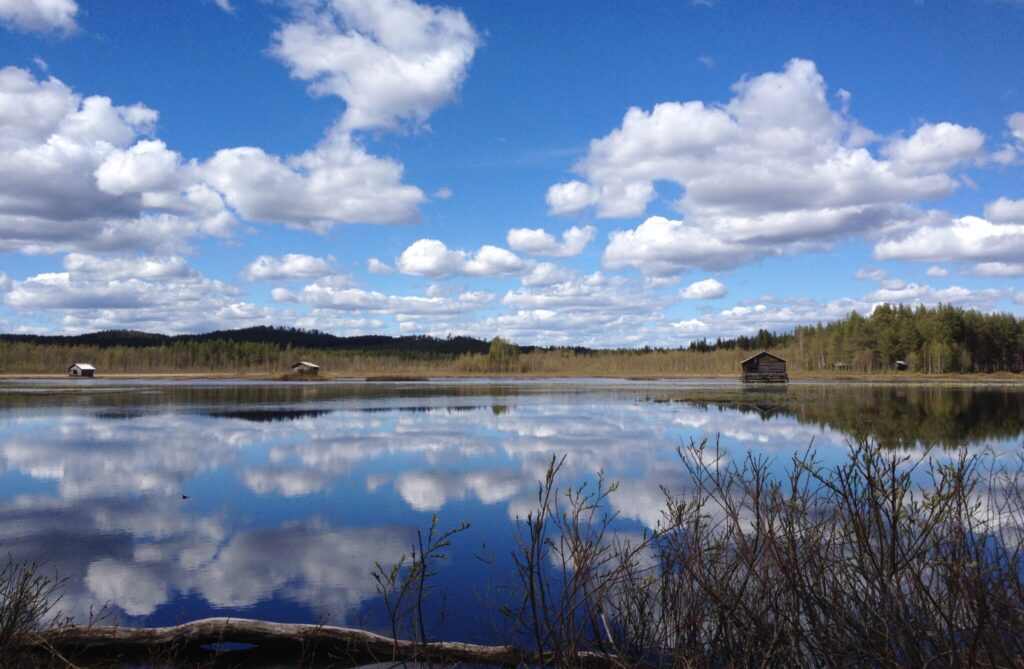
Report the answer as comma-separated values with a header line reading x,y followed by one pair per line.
x,y
281,337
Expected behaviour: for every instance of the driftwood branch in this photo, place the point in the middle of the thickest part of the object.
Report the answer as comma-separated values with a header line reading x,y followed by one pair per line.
x,y
274,644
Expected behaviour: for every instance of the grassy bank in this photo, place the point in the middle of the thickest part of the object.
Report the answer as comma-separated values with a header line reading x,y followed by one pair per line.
x,y
421,374
269,362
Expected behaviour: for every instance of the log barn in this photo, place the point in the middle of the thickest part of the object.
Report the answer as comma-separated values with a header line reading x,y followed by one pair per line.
x,y
764,367
303,367
81,369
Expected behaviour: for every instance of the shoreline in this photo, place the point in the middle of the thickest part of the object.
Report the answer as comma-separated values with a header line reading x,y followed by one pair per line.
x,y
996,378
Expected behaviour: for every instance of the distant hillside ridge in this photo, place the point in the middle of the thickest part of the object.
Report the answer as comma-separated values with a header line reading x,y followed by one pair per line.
x,y
279,336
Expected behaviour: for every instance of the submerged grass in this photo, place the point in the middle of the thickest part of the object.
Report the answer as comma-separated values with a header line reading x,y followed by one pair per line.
x,y
884,560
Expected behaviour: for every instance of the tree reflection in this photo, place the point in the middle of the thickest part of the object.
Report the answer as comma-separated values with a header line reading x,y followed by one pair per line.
x,y
891,415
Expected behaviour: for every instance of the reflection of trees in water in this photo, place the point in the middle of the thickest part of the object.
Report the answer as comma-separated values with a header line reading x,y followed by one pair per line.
x,y
166,394
894,416
217,394
269,415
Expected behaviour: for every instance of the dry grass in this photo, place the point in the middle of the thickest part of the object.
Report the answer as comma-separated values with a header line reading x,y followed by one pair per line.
x,y
881,561
29,601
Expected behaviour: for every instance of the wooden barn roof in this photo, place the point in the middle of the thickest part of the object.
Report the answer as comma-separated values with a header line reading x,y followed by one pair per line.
x,y
762,353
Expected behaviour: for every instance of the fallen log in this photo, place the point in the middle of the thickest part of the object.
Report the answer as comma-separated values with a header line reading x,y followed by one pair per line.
x,y
275,644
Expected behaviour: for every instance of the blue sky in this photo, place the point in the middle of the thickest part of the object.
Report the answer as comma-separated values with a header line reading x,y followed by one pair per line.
x,y
592,173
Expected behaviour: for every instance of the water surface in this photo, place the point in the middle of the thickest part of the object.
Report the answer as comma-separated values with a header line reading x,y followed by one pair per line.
x,y
174,501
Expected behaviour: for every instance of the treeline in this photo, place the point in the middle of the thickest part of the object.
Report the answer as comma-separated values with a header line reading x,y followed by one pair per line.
x,y
931,340
944,339
214,356
256,350
939,340
763,340
277,336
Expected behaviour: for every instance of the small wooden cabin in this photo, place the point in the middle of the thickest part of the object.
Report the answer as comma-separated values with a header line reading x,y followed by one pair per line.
x,y
81,369
764,368
303,367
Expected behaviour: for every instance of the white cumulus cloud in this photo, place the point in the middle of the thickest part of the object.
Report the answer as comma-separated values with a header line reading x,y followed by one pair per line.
x,y
39,15
1001,269
693,326
571,197
663,246
594,292
1005,210
547,274
870,274
81,173
158,294
968,238
147,166
935,148
431,257
328,296
913,293
378,266
288,266
131,267
540,242
774,170
703,290
392,61
337,182
1016,124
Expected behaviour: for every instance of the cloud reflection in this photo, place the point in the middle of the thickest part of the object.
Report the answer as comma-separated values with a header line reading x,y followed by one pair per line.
x,y
100,493
138,558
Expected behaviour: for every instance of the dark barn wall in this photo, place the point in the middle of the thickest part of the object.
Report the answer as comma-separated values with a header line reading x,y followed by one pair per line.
x,y
765,368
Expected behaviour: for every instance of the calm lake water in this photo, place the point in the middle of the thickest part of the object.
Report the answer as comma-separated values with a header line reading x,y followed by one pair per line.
x,y
174,501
